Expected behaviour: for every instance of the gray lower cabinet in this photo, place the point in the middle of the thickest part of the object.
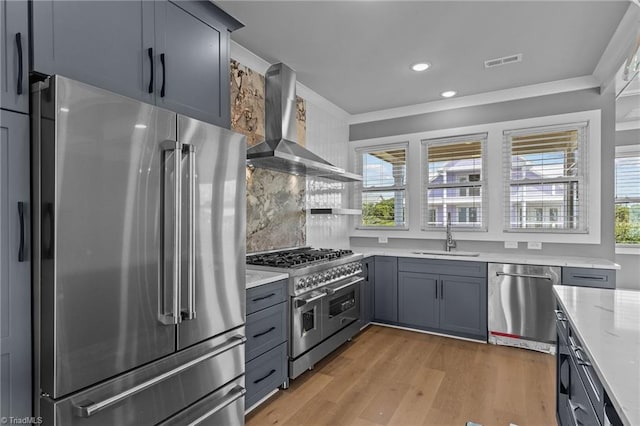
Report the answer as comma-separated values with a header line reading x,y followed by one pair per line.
x,y
463,305
589,277
386,289
14,55
366,291
172,54
15,266
580,395
418,299
430,297
266,347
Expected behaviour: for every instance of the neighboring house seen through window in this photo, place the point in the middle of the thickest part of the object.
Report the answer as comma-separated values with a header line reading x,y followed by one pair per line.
x,y
454,181
383,192
546,190
627,187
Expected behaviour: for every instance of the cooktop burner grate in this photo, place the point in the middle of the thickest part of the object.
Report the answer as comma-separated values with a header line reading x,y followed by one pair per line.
x,y
296,257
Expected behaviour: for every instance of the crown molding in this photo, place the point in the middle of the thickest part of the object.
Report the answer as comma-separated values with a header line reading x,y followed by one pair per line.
x,y
549,88
620,46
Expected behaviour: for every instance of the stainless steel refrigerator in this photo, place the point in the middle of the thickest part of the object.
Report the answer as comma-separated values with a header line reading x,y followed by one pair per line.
x,y
139,254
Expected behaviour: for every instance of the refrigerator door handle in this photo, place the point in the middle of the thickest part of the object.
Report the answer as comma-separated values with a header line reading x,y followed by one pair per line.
x,y
190,314
89,408
173,317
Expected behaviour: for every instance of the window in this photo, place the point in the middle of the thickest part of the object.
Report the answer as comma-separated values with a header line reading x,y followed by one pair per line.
x,y
384,175
454,182
627,188
544,171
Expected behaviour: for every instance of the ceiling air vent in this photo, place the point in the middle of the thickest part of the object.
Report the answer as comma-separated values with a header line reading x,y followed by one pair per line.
x,y
503,61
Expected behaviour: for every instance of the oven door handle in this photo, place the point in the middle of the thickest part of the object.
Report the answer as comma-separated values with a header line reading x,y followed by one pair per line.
x,y
332,290
299,303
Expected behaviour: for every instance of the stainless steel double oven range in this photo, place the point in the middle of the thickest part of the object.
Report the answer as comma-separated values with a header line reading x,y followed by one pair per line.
x,y
324,300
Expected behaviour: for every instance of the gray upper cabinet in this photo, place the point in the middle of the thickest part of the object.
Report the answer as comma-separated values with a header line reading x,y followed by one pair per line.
x,y
15,266
418,299
463,305
172,54
102,43
14,55
192,62
386,289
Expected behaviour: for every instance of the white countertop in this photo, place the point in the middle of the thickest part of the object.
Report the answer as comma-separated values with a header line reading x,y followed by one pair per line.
x,y
256,278
524,259
607,322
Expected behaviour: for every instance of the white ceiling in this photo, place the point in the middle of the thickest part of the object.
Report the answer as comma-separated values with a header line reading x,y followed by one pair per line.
x,y
357,53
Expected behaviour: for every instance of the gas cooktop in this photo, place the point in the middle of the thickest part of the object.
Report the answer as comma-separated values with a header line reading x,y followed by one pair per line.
x,y
296,258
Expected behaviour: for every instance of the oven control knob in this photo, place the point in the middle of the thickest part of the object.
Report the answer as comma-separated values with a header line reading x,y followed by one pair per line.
x,y
315,279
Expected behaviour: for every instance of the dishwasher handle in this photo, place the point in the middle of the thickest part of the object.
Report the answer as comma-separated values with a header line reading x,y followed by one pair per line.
x,y
508,274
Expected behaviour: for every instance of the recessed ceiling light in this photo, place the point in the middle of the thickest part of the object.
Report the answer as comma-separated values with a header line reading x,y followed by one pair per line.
x,y
421,66
140,126
448,94
63,109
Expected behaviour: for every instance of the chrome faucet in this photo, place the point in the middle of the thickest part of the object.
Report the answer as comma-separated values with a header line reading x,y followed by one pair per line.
x,y
449,242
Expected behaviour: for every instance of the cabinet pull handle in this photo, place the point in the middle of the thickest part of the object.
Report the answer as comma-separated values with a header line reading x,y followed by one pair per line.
x,y
22,231
257,299
560,316
442,289
164,75
19,46
255,382
589,277
150,53
436,289
264,332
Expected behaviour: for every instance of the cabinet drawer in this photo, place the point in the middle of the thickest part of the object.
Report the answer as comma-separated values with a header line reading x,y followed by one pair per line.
x,y
587,375
265,373
588,277
266,329
266,295
441,266
579,408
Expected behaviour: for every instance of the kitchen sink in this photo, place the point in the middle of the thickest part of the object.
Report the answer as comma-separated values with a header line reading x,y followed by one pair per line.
x,y
447,253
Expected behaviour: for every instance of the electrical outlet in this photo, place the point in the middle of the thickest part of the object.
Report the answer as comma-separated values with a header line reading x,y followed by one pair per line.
x,y
383,240
534,245
511,244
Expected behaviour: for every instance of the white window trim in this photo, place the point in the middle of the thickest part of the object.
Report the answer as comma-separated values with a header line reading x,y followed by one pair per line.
x,y
424,152
582,179
494,178
370,148
622,151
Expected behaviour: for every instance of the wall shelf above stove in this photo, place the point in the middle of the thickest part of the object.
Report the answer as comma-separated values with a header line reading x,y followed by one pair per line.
x,y
335,210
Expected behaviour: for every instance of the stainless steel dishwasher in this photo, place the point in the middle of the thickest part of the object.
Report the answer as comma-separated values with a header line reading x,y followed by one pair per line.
x,y
521,305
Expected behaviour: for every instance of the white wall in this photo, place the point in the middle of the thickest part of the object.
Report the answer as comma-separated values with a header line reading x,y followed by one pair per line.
x,y
327,136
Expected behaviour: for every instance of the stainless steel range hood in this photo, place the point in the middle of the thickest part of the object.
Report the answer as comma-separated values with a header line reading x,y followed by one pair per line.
x,y
279,151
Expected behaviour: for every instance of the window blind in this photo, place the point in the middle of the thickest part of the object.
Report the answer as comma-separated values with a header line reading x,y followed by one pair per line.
x,y
546,188
383,188
454,181
627,193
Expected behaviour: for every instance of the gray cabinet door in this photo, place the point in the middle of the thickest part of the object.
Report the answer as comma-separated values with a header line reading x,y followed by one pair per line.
x,y
366,292
192,65
102,43
418,299
386,289
14,55
15,266
463,305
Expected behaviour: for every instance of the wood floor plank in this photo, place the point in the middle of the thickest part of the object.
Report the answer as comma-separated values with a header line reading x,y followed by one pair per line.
x,y
387,376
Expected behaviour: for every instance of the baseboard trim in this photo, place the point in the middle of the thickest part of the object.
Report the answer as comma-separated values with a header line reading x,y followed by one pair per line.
x,y
417,330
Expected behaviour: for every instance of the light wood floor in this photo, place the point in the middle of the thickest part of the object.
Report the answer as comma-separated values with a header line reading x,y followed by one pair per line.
x,y
387,376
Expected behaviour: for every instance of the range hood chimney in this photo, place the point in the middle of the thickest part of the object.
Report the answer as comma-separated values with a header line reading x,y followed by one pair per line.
x,y
280,151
